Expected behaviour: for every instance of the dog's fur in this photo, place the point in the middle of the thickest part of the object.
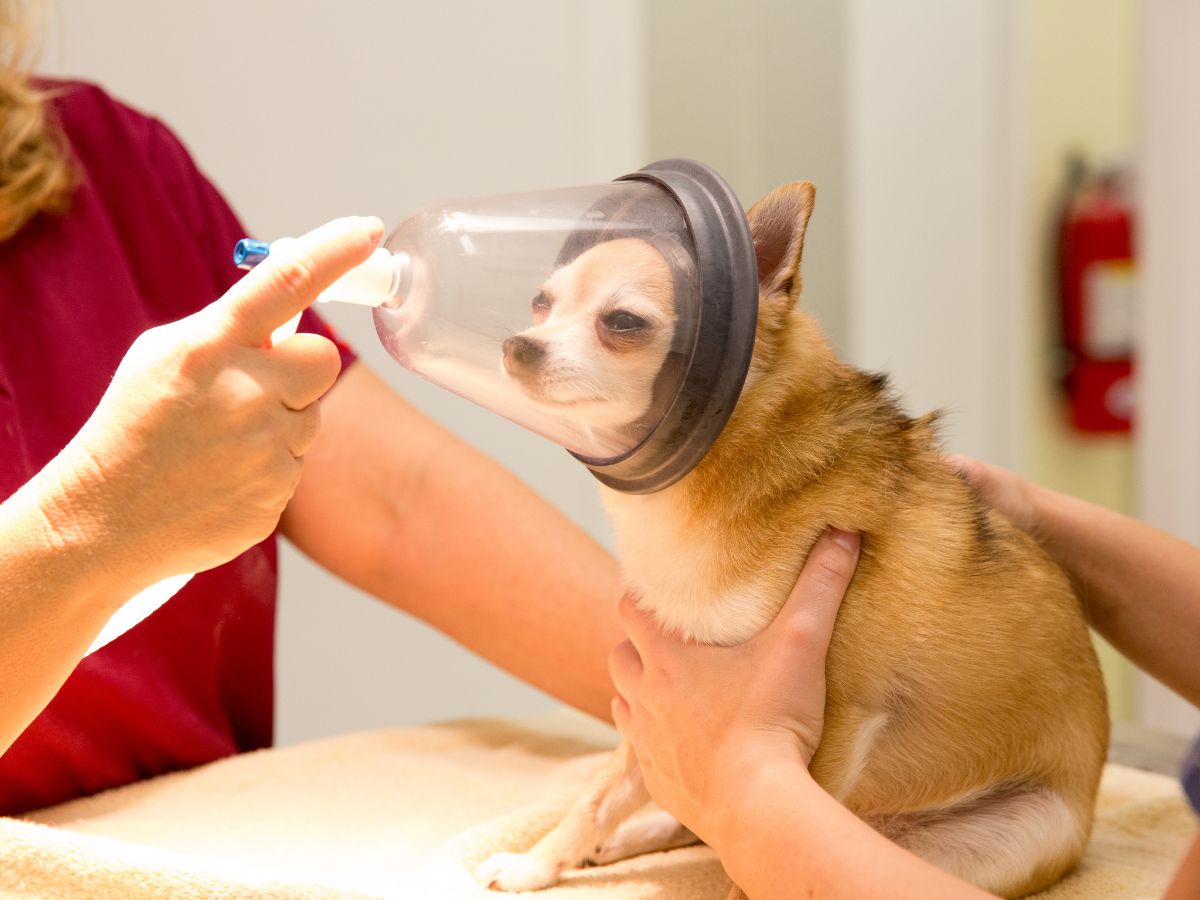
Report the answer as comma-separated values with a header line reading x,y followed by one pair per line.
x,y
965,714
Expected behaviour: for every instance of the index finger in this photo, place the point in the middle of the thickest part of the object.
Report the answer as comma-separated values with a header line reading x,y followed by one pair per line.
x,y
286,284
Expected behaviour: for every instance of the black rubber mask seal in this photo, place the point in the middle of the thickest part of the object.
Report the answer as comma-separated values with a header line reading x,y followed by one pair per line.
x,y
716,371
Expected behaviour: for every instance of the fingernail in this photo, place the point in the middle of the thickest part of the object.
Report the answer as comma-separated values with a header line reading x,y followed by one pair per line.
x,y
847,540
374,228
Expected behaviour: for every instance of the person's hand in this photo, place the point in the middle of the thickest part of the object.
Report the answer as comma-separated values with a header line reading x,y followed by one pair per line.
x,y
1006,492
198,443
702,719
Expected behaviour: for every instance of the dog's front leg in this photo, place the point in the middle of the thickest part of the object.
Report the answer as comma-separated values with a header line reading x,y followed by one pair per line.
x,y
614,794
652,831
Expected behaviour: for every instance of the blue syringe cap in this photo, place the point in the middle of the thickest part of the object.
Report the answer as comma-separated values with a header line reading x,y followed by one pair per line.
x,y
248,253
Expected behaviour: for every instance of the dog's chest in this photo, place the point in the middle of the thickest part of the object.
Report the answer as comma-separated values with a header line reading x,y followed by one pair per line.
x,y
681,569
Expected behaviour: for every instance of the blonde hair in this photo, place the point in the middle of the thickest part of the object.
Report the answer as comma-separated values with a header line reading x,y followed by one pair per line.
x,y
36,174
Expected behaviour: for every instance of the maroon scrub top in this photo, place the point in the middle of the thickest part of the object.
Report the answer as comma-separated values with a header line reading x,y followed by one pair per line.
x,y
147,240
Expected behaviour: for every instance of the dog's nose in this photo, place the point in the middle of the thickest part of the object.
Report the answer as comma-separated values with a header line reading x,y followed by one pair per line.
x,y
523,351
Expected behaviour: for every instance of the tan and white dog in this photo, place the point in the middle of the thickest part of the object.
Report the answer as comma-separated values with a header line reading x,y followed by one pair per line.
x,y
965,714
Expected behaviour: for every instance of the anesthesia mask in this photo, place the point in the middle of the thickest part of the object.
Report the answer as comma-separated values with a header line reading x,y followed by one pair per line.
x,y
617,319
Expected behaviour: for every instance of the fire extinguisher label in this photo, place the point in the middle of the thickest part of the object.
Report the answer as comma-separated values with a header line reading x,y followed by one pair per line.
x,y
1110,292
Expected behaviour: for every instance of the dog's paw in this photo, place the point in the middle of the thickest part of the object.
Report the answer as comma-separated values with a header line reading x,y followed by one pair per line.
x,y
516,872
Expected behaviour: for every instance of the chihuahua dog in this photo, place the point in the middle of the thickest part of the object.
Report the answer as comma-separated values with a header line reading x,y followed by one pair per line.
x,y
965,713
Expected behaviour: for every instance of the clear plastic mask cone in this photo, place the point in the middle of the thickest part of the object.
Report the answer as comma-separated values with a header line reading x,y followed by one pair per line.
x,y
570,312
579,313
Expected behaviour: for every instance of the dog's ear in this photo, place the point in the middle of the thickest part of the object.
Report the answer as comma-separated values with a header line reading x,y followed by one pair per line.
x,y
777,224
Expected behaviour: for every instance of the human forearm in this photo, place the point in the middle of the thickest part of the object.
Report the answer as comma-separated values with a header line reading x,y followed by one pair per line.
x,y
1186,883
785,836
434,527
498,569
61,577
1141,586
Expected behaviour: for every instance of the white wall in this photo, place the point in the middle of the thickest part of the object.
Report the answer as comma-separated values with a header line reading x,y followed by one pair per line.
x,y
908,117
1169,365
934,201
757,90
304,111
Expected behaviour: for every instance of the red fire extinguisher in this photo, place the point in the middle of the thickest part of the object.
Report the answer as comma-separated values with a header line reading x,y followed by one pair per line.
x,y
1097,287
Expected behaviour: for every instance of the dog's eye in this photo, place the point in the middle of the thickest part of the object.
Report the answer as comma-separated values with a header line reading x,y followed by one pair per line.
x,y
620,320
541,303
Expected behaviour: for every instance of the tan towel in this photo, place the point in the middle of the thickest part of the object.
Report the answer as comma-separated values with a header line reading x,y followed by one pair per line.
x,y
409,813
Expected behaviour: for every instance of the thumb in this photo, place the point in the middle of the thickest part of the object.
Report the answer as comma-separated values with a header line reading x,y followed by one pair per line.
x,y
808,615
286,284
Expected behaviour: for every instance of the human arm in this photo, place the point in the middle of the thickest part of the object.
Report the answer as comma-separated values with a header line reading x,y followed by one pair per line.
x,y
1140,586
788,834
724,736
401,508
187,460
1186,883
